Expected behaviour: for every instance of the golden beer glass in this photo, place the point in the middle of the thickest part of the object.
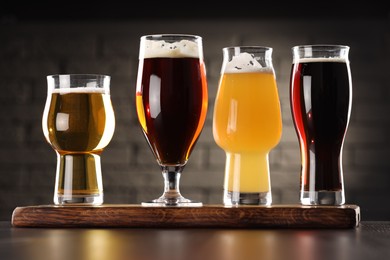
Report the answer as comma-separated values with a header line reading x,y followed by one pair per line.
x,y
78,122
247,123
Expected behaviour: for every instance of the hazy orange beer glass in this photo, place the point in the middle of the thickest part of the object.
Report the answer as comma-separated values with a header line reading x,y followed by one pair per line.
x,y
247,123
78,122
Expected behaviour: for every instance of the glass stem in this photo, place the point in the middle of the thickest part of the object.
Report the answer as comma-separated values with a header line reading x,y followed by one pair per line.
x,y
171,176
171,196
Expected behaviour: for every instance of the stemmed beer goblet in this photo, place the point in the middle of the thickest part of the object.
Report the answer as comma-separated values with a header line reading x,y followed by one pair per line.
x,y
171,103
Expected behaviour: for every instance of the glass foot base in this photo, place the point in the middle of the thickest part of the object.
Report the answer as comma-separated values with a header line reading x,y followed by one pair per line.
x,y
79,200
232,198
172,202
322,198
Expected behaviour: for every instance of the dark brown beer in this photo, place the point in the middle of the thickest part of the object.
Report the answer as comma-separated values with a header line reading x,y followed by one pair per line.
x,y
321,95
172,106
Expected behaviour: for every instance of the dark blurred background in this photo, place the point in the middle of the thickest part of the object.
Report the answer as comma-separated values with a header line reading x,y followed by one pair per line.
x,y
38,39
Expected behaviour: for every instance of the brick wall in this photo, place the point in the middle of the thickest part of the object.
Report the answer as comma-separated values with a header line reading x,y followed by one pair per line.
x,y
30,51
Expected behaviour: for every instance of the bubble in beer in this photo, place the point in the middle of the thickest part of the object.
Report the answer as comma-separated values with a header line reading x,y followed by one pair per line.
x,y
184,48
243,62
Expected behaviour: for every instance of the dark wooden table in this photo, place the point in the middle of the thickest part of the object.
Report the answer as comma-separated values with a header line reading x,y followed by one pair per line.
x,y
370,240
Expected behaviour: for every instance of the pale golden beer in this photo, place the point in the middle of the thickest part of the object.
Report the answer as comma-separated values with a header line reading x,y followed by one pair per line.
x,y
247,124
78,122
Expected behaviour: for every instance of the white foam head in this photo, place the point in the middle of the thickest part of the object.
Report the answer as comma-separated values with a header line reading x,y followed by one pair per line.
x,y
243,63
88,89
163,49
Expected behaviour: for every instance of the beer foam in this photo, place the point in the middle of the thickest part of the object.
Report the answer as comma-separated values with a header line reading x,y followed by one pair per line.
x,y
329,59
244,62
79,90
184,48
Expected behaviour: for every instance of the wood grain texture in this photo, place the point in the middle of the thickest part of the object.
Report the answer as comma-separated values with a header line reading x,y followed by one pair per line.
x,y
208,216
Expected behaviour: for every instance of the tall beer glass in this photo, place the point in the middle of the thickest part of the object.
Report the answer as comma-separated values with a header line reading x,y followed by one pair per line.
x,y
171,102
321,97
247,123
78,122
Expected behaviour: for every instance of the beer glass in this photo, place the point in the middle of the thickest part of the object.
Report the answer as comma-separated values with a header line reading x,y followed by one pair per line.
x,y
78,122
247,123
171,103
320,98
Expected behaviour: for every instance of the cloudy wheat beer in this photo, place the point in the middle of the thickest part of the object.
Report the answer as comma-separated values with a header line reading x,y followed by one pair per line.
x,y
247,123
321,96
78,122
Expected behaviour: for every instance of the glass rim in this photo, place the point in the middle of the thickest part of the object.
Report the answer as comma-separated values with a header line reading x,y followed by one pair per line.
x,y
86,75
341,46
74,81
166,35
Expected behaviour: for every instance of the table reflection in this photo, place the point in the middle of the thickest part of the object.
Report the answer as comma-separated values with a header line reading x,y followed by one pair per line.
x,y
183,244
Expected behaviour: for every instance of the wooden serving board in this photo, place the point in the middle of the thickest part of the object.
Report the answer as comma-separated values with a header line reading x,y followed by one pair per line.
x,y
208,216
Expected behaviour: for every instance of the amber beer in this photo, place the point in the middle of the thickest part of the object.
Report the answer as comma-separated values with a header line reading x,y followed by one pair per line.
x,y
171,102
175,106
171,99
78,123
321,94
